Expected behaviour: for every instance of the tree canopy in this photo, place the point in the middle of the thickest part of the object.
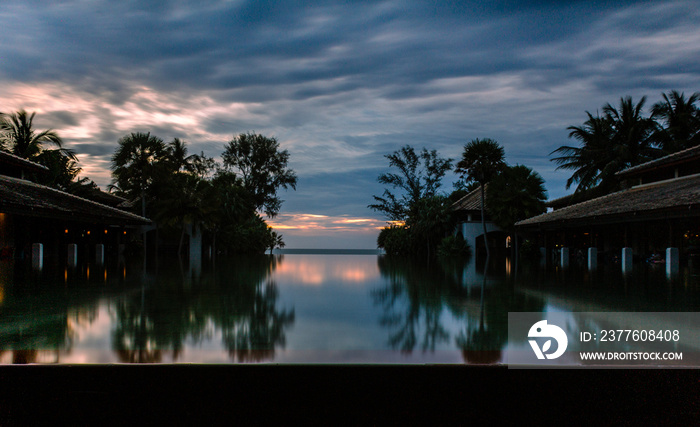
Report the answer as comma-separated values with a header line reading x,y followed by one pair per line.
x,y
515,194
182,189
262,168
18,137
482,159
134,164
623,137
419,176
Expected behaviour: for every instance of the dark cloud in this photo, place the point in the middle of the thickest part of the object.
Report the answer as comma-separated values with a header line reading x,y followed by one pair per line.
x,y
94,149
61,118
341,84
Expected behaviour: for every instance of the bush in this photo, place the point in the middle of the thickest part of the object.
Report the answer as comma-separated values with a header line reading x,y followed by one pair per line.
x,y
454,246
528,250
395,240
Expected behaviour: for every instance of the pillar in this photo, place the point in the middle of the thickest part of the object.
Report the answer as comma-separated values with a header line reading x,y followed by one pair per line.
x,y
672,261
543,257
592,258
626,260
37,256
100,254
564,257
72,255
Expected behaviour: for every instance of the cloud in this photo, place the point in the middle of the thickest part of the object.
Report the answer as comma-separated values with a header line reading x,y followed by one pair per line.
x,y
339,85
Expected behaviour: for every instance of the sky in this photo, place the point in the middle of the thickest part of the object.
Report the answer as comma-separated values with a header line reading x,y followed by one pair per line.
x,y
340,84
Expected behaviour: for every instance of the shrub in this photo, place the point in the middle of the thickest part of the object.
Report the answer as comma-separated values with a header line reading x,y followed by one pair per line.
x,y
528,250
395,240
454,246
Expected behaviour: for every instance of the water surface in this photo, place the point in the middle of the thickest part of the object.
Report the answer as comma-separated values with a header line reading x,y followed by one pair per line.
x,y
304,308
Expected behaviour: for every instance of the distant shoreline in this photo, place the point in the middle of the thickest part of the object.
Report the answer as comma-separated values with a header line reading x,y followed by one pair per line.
x,y
328,251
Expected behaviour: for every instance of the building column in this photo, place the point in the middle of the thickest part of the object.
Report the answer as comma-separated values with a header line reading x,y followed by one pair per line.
x,y
626,259
72,258
543,257
37,256
564,257
592,258
672,261
100,254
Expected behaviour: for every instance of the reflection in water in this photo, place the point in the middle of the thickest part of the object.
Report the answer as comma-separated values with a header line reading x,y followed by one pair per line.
x,y
361,308
238,301
321,270
417,298
412,300
153,315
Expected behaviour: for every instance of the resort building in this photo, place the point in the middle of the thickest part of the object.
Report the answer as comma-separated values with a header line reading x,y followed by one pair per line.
x,y
657,211
40,222
468,210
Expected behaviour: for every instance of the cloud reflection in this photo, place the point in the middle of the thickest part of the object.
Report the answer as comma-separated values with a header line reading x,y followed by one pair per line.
x,y
328,270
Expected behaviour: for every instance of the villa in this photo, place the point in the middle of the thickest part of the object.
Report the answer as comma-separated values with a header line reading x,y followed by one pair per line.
x,y
657,211
45,223
468,210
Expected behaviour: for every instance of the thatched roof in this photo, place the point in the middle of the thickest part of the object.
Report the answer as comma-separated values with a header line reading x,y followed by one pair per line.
x,y
21,197
99,196
18,163
678,197
471,201
682,156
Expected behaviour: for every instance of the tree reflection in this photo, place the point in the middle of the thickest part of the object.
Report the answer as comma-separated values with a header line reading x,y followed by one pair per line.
x,y
417,297
483,340
414,300
237,300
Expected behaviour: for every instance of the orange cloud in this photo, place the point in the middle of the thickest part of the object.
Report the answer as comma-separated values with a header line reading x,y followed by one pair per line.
x,y
312,222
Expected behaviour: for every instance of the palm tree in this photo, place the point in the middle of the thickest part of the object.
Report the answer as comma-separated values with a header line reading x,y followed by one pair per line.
x,y
631,132
681,120
516,194
134,164
176,153
594,162
482,159
18,137
621,138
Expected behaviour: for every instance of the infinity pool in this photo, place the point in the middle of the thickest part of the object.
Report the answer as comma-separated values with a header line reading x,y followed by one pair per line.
x,y
303,308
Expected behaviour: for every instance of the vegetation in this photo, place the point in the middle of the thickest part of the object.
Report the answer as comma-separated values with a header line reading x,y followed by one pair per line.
x,y
176,189
420,214
416,181
262,168
515,194
482,159
18,137
192,191
623,137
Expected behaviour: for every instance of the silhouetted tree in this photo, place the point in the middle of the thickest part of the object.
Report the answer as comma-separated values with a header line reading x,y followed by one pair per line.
x,y
482,159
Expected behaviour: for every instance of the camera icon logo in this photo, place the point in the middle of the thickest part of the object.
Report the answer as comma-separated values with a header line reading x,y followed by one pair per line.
x,y
542,330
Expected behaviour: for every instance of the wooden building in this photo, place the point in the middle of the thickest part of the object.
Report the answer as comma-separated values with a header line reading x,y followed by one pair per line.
x,y
468,211
63,224
658,208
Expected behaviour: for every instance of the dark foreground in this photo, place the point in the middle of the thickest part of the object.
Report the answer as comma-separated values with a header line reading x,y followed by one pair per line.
x,y
332,395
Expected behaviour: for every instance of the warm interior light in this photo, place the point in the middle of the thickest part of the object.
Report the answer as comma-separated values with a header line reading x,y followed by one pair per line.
x,y
105,231
66,231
